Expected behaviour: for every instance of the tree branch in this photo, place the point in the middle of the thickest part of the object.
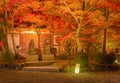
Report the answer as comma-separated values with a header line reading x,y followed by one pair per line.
x,y
75,17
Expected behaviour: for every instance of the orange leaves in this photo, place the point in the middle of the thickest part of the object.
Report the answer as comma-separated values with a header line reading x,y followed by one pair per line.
x,y
90,39
32,18
96,18
111,4
34,5
79,14
63,9
1,3
73,4
58,23
69,1
58,39
117,36
47,5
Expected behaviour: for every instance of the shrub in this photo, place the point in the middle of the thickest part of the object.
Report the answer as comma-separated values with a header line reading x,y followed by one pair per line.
x,y
8,57
99,58
104,58
109,59
69,69
82,59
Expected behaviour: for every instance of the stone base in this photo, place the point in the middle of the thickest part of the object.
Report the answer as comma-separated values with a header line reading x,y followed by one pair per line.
x,y
32,58
48,57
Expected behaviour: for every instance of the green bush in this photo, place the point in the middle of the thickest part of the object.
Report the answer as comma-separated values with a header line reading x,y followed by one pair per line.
x,y
8,57
69,69
82,59
104,58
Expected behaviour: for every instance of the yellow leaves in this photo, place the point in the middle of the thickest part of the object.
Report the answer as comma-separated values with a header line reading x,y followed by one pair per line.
x,y
63,9
79,12
1,3
34,5
69,1
32,18
114,16
96,18
75,5
91,2
48,5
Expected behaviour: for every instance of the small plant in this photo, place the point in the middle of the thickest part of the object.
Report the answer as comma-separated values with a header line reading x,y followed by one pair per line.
x,y
82,59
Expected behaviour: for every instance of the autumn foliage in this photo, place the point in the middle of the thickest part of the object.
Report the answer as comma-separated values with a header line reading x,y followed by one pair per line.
x,y
54,14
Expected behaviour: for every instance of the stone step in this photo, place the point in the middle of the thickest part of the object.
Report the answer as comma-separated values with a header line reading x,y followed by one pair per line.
x,y
40,63
42,68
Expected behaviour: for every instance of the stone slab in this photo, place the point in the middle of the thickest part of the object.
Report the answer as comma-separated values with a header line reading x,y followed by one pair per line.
x,y
48,57
42,68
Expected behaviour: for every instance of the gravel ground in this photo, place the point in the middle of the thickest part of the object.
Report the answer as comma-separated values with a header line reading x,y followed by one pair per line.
x,y
11,76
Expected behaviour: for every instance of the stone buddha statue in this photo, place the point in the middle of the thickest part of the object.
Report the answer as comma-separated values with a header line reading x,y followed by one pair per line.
x,y
31,50
47,46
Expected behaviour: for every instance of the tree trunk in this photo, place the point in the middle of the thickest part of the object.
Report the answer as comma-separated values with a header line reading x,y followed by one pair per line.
x,y
104,41
77,33
39,33
5,40
77,38
51,26
12,36
106,14
39,51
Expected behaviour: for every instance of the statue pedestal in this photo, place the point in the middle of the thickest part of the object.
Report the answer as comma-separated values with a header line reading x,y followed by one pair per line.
x,y
48,56
32,58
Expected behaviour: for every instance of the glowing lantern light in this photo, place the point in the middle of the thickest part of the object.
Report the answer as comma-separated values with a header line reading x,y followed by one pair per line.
x,y
116,61
77,68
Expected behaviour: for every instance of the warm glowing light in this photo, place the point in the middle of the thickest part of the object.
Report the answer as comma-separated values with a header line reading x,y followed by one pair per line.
x,y
116,61
42,32
33,32
30,32
77,68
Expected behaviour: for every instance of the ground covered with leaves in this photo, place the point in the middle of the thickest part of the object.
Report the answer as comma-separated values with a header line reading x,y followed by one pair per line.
x,y
11,76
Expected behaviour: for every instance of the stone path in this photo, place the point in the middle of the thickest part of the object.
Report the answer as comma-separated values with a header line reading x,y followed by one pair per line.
x,y
11,76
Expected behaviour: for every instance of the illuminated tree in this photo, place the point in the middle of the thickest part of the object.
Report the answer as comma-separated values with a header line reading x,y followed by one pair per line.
x,y
84,19
111,13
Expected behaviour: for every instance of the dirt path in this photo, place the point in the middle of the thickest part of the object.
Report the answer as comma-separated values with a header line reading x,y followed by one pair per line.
x,y
10,76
